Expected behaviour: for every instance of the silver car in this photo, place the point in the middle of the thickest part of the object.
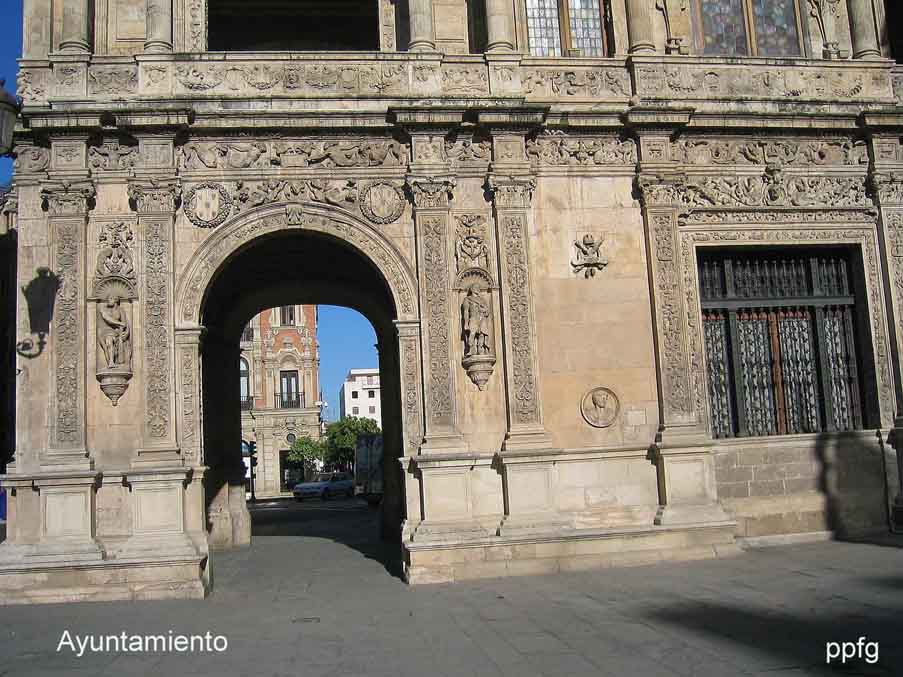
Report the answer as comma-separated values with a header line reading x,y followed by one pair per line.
x,y
326,486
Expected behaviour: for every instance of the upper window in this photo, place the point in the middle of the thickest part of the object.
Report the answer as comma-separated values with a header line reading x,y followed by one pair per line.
x,y
565,28
244,377
287,316
300,25
750,27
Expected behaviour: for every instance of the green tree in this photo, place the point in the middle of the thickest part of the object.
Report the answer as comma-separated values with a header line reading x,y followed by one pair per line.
x,y
305,452
341,439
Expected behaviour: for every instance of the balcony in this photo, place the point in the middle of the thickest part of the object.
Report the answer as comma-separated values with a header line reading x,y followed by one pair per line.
x,y
289,400
247,335
247,402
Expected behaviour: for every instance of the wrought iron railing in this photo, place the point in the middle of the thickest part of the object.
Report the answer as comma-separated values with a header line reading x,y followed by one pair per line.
x,y
247,335
289,400
247,402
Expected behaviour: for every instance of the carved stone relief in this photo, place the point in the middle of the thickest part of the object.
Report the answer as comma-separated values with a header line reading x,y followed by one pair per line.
x,y
382,202
114,342
588,261
338,192
600,407
577,83
157,256
112,156
113,80
475,283
787,152
32,159
464,150
435,267
580,151
207,205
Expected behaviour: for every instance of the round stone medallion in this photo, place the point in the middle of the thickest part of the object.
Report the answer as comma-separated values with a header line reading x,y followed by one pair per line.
x,y
382,202
208,205
600,407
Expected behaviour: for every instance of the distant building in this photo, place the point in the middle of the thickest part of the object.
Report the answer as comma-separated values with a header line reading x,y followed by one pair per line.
x,y
360,395
279,376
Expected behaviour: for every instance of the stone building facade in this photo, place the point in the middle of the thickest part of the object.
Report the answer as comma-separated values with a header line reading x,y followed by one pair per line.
x,y
637,284
279,390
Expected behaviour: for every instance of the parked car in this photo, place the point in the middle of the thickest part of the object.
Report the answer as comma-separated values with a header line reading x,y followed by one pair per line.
x,y
326,486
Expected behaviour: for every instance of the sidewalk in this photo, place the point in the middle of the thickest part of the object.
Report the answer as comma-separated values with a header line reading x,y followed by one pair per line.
x,y
318,600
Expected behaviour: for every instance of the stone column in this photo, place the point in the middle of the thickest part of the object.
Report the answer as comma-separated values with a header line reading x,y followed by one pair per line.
x,y
431,195
639,26
37,29
423,34
76,26
155,202
159,26
500,25
68,205
511,201
887,188
862,29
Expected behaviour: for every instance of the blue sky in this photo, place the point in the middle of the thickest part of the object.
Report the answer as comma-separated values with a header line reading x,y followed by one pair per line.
x,y
346,338
10,48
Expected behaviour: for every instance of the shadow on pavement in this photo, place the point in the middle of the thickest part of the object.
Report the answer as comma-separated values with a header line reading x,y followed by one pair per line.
x,y
349,521
792,642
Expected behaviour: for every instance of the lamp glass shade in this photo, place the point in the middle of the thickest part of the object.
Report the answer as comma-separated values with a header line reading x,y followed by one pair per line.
x,y
8,114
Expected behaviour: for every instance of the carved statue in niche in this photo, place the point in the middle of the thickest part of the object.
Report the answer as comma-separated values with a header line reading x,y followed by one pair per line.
x,y
475,321
476,331
113,293
114,334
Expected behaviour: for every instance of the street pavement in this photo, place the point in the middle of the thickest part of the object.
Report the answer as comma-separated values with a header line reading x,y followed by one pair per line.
x,y
318,595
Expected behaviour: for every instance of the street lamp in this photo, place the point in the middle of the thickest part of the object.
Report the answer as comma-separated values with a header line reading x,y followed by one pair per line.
x,y
9,112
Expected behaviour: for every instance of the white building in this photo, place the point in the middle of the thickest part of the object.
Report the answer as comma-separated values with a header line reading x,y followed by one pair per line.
x,y
360,395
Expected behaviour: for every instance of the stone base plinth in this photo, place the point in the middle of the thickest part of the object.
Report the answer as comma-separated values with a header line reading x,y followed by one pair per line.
x,y
107,581
581,549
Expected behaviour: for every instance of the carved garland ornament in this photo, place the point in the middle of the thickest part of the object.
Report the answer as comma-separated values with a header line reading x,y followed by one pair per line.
x,y
208,205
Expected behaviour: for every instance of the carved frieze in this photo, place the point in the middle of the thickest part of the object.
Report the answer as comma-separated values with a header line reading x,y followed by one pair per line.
x,y
773,188
226,155
157,342
576,83
580,151
694,81
338,192
112,156
465,150
470,80
786,152
888,188
32,159
331,154
31,85
120,80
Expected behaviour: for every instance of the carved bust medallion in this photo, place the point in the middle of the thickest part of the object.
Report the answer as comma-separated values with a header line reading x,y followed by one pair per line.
x,y
600,407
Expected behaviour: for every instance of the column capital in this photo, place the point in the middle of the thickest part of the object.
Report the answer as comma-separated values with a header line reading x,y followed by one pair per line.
x,y
155,195
65,198
431,192
512,192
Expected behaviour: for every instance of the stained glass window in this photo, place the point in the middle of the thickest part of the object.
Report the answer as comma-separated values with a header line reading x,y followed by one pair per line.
x,y
726,30
586,27
543,27
776,29
723,28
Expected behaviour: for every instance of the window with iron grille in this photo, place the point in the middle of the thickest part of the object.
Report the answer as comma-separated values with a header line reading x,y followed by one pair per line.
x,y
287,316
784,338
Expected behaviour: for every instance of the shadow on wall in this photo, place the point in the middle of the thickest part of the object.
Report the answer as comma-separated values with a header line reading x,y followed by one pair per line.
x,y
768,639
349,521
40,296
854,479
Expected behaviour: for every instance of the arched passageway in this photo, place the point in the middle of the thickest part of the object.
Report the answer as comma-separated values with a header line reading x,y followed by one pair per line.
x,y
286,267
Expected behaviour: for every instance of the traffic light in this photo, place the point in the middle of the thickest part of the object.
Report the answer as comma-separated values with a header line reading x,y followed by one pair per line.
x,y
252,453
